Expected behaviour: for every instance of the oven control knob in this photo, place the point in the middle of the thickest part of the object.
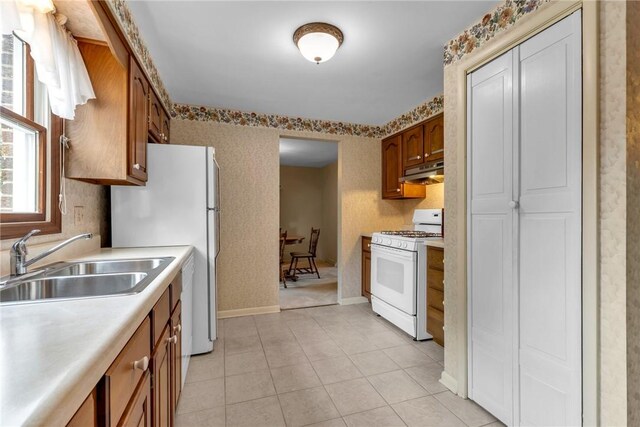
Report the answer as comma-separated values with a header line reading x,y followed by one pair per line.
x,y
404,245
388,241
398,244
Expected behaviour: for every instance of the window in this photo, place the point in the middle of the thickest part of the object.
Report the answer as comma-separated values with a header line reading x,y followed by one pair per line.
x,y
28,148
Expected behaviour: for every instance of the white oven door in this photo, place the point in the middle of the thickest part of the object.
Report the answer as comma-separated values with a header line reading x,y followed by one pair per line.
x,y
393,277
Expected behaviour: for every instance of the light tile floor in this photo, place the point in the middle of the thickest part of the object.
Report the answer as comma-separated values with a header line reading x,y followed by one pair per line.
x,y
322,366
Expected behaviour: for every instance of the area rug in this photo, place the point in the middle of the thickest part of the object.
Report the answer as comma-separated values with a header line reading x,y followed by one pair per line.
x,y
309,291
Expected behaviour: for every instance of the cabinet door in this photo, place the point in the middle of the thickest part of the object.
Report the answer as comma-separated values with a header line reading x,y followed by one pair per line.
x,y
176,357
162,407
138,122
391,167
165,128
366,275
413,147
87,414
434,137
156,113
138,413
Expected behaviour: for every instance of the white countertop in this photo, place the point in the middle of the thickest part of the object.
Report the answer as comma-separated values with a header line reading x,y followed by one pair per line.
x,y
52,354
436,243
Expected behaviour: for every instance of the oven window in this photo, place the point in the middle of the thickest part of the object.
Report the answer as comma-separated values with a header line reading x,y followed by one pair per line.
x,y
390,274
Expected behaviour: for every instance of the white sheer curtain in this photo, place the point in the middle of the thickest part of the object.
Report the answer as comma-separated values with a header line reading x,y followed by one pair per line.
x,y
59,65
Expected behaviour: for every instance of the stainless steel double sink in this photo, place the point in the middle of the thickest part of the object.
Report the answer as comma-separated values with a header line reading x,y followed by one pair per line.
x,y
82,279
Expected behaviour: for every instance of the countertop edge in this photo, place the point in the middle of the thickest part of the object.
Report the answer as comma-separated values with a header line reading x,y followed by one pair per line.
x,y
60,407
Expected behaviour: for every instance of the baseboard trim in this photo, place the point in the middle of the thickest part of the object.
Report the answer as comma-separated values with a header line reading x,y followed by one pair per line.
x,y
352,300
449,382
224,314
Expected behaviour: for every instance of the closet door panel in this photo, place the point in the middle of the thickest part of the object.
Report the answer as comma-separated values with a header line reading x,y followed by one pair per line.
x,y
490,131
550,226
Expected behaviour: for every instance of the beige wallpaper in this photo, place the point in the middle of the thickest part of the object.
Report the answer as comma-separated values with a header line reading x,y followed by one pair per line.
x,y
248,158
633,213
328,244
434,200
613,399
303,205
248,272
94,200
612,219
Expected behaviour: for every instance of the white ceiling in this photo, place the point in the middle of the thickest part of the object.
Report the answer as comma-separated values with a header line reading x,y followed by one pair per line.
x,y
240,54
307,153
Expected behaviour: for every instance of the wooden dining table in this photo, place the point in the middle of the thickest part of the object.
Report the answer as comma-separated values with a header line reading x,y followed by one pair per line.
x,y
292,239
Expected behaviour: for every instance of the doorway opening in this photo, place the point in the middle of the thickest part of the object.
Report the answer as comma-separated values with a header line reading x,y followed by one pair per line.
x,y
308,223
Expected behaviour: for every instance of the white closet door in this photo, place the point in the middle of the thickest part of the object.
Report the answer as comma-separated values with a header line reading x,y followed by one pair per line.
x,y
490,130
550,226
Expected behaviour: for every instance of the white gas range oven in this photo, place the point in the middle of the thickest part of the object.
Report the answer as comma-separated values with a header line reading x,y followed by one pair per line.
x,y
399,272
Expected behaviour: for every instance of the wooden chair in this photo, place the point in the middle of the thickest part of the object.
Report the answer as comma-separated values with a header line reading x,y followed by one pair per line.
x,y
283,244
309,256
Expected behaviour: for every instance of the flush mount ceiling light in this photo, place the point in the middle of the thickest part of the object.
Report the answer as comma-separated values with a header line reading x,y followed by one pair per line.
x,y
318,41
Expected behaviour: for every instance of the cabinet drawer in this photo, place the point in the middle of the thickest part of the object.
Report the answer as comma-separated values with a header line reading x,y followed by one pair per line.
x,y
160,315
366,244
176,290
435,298
435,258
125,372
435,279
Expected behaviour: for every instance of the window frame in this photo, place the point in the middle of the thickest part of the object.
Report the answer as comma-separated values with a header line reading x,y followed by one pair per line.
x,y
48,220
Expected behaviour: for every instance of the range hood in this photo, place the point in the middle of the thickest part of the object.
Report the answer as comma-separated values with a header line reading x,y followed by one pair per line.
x,y
426,174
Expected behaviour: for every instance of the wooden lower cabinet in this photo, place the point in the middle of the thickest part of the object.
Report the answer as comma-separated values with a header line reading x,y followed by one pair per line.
x,y
366,267
176,356
435,293
87,415
142,385
138,412
161,381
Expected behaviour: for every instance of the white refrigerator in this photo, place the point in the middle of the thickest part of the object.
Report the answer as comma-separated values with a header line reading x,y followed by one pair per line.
x,y
179,205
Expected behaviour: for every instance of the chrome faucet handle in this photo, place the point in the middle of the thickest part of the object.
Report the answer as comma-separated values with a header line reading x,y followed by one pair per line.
x,y
19,246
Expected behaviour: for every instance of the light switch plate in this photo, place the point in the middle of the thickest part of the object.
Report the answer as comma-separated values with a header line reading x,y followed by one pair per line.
x,y
78,215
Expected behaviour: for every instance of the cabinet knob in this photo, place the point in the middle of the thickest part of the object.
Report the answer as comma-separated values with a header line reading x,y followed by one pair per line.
x,y
415,158
136,166
141,364
426,155
173,339
397,190
166,138
161,135
513,204
177,329
368,245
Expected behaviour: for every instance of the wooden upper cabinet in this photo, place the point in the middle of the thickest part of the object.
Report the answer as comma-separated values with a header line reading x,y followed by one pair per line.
x,y
434,139
156,113
109,134
138,122
392,171
158,120
165,128
413,147
391,167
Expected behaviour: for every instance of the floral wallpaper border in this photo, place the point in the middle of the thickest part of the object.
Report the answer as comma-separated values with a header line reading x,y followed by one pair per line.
x,y
494,22
418,114
125,18
243,118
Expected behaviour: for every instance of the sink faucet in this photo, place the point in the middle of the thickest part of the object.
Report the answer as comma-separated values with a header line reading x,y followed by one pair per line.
x,y
19,261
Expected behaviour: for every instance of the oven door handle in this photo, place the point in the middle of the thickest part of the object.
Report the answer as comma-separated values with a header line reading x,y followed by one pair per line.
x,y
396,253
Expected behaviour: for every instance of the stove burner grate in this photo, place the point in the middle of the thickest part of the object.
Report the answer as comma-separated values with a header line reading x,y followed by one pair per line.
x,y
410,233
